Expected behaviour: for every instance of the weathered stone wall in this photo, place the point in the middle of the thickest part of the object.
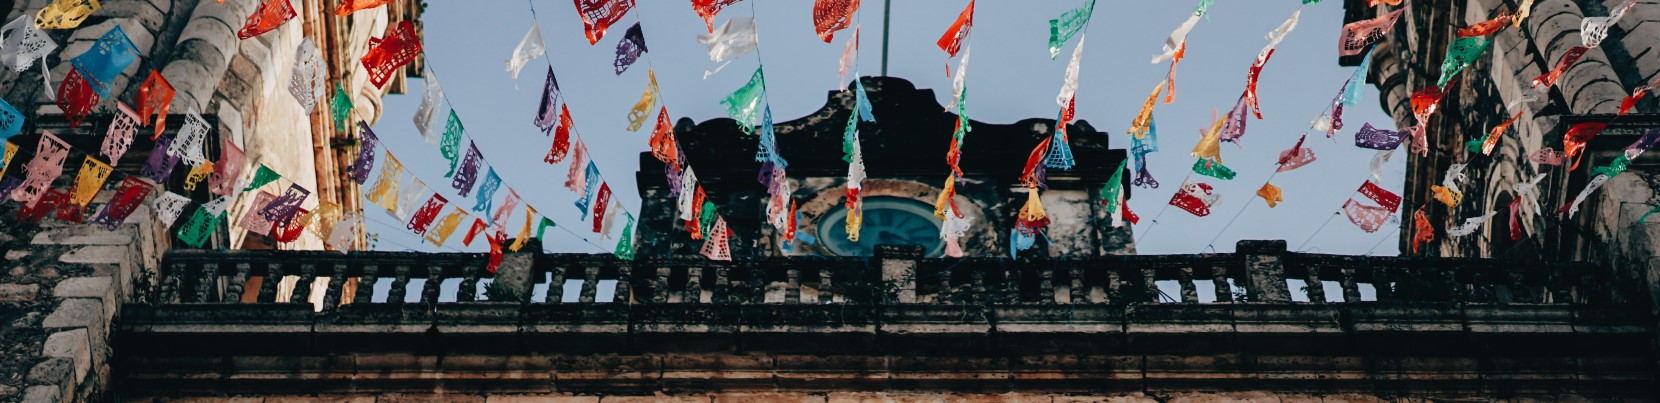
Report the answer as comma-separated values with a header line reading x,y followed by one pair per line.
x,y
835,397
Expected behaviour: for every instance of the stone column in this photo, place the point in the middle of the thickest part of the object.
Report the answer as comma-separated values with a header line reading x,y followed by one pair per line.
x,y
1263,269
899,264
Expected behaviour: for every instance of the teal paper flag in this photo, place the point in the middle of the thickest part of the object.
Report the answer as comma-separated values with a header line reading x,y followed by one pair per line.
x,y
1070,23
1460,54
1213,169
263,176
105,60
744,105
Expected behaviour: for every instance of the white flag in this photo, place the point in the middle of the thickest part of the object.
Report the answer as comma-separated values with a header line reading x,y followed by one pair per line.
x,y
307,81
428,111
850,51
735,38
1071,85
1279,34
959,83
1174,43
529,48
1470,225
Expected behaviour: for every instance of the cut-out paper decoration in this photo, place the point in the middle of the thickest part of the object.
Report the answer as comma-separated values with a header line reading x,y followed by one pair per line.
x,y
65,14
1460,54
523,238
1592,30
105,60
1196,198
1573,207
127,197
50,154
154,97
1446,195
188,145
1368,218
1378,139
252,220
952,40
1060,150
160,165
1138,126
48,202
1295,157
200,227
744,104
197,174
1470,225
610,219
1068,24
285,206
88,181
270,15
446,227
625,243
340,108
487,192
348,7
228,170
1111,195
641,112
290,228
120,135
467,175
323,219
735,38
584,199
708,9
1577,136
577,176
265,176
1070,85
345,235
23,43
715,247
1515,224
1031,217
5,162
1210,142
1488,27
1485,144
1360,34
629,48
830,16
1383,197
663,145
167,207
1423,232
530,48
409,198
431,95
599,15
1522,12
428,212
384,192
1274,38
365,161
1270,194
11,121
561,138
1547,156
1233,125
387,55
1213,169
547,112
1568,59
499,219
309,77
76,97
1139,148
602,200
850,55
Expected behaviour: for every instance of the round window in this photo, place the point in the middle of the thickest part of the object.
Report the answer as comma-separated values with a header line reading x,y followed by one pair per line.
x,y
887,221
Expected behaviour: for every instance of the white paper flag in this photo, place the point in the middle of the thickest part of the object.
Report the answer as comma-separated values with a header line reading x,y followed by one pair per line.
x,y
431,96
22,44
1174,42
1377,164
1470,225
1526,189
188,145
1592,187
688,188
307,82
850,52
168,206
735,38
1592,30
1070,86
959,83
1279,34
530,47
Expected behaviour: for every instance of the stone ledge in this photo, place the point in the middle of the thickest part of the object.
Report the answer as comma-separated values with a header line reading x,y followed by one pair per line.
x,y
18,292
73,345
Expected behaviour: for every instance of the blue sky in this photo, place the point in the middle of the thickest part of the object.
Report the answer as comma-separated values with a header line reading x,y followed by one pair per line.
x,y
467,43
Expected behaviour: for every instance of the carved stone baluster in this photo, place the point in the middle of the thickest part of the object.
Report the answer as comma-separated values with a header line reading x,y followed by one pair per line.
x,y
624,294
1380,282
757,284
204,282
1219,277
431,288
365,292
1080,294
723,284
826,287
467,291
1149,279
1190,291
1351,290
792,285
1115,287
660,290
979,278
170,286
268,288
694,285
590,278
1046,284
400,285
1316,288
302,289
337,279
556,284
238,283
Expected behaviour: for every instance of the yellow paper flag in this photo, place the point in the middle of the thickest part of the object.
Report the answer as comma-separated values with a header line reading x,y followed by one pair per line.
x,y
90,179
1033,210
385,191
1210,146
638,116
523,237
11,151
1270,193
197,174
1447,196
1138,127
446,227
65,14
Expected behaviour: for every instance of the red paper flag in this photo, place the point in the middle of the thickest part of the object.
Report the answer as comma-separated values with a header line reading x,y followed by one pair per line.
x,y
1578,135
597,15
495,252
1424,233
478,226
830,16
1487,27
662,140
154,96
952,40
561,137
388,54
1251,84
601,200
76,98
128,196
1368,218
289,228
1568,60
48,202
1389,200
1028,175
708,9
428,212
1130,216
270,15
1515,226
351,6
1498,132
1196,198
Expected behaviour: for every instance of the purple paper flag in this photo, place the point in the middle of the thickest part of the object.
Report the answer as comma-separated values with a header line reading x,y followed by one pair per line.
x,y
1378,139
365,153
160,165
468,174
629,49
282,207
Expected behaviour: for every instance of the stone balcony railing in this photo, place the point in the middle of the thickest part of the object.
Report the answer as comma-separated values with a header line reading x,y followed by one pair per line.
x,y
1260,272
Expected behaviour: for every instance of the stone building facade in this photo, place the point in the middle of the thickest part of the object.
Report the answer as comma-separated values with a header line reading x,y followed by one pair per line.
x,y
1491,91
904,152
63,284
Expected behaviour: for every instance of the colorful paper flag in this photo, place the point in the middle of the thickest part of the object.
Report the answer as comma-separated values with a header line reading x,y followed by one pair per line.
x,y
1383,197
561,138
431,95
1195,198
428,212
1378,139
586,197
547,112
307,81
89,180
229,168
715,247
197,174
154,97
24,43
629,49
1470,225
105,60
952,39
76,97
1592,30
830,16
1270,194
384,192
387,55
270,15
367,142
50,153
65,14
576,177
530,48
708,9
167,207
744,104
1423,232
119,137
1459,55
735,39
160,165
1568,59
1069,86
1360,34
1070,23
348,7
601,202
663,146
1213,169
641,112
446,227
468,174
1368,218
128,196
285,206
1488,27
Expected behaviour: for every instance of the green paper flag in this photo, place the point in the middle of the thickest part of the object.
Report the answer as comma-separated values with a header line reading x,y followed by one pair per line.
x,y
340,107
1474,146
744,105
625,244
1460,54
1615,167
1070,23
450,146
1114,190
1213,169
200,227
543,228
708,218
263,176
